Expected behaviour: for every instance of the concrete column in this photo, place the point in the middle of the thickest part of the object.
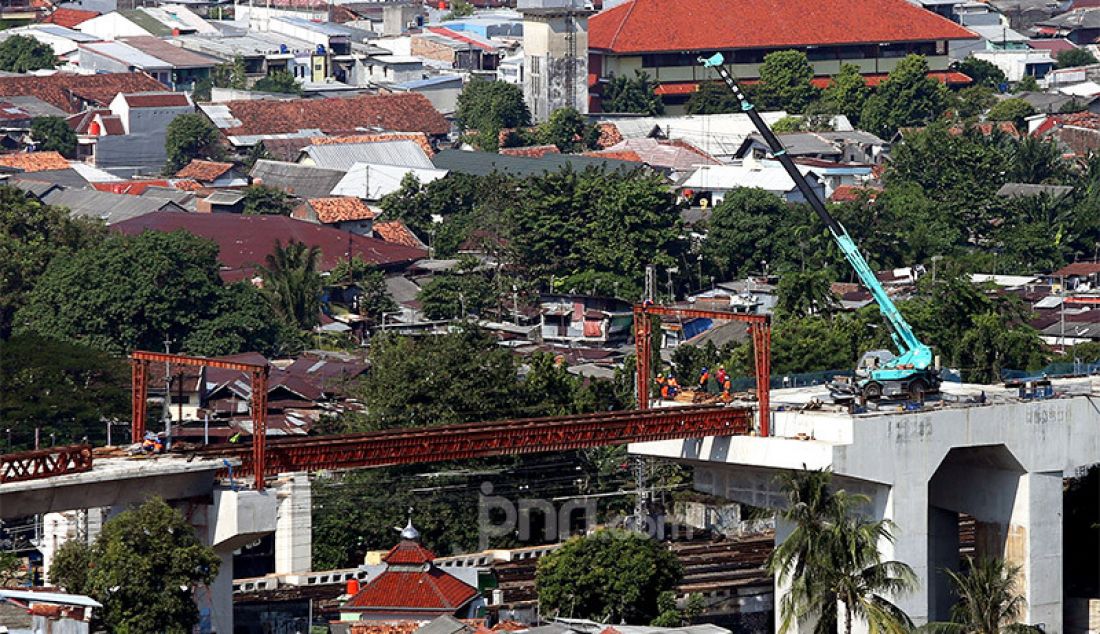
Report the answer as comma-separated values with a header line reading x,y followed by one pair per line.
x,y
294,525
907,507
1034,542
943,554
218,610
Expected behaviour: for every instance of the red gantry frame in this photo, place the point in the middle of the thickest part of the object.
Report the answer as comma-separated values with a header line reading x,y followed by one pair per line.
x,y
760,327
140,360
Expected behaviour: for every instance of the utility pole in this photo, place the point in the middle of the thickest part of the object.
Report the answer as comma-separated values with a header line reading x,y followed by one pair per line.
x,y
167,395
650,283
515,304
640,499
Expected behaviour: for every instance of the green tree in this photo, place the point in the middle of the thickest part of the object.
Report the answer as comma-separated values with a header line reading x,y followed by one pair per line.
x,y
260,200
70,566
1014,110
609,576
670,615
988,600
232,74
1028,84
742,231
373,298
240,320
846,93
85,387
569,131
712,97
278,82
191,136
21,54
144,568
806,293
982,72
32,235
989,347
632,94
1075,57
459,9
447,296
832,557
292,284
132,292
908,97
488,107
454,378
53,134
785,82
973,101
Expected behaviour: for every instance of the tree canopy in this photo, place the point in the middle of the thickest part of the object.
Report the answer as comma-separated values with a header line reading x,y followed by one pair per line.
x,y
908,97
712,97
610,576
292,283
846,93
261,200
53,134
21,54
785,82
487,107
983,73
191,136
144,567
631,94
133,292
1014,110
278,82
1075,57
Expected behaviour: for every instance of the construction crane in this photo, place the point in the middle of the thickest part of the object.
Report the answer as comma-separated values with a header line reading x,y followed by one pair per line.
x,y
909,374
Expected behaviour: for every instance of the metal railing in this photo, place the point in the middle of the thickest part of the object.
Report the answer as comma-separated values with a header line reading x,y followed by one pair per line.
x,y
45,463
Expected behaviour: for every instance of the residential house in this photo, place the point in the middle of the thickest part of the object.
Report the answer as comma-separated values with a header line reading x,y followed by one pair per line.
x,y
1081,26
345,213
52,611
584,319
163,21
302,181
459,50
245,241
261,52
874,35
719,135
110,208
373,182
712,182
290,149
175,67
34,161
392,69
16,116
441,90
64,41
1079,132
221,201
854,146
342,156
397,232
675,158
213,174
69,17
128,137
994,37
243,121
484,163
1051,103
331,58
1019,63
1023,14
75,93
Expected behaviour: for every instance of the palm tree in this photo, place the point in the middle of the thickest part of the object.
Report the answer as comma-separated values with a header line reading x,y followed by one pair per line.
x,y
832,557
988,600
292,284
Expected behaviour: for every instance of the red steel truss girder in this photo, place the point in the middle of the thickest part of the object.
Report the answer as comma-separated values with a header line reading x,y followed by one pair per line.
x,y
478,440
45,463
140,359
759,327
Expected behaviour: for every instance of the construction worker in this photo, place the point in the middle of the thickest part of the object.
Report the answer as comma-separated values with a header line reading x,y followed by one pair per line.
x,y
662,386
703,376
673,386
723,380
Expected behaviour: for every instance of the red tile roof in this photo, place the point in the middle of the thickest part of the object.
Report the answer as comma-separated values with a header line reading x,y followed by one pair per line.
x,y
618,155
405,112
245,241
69,18
204,171
133,188
112,125
187,185
853,193
35,161
177,56
341,209
1054,45
408,553
429,590
609,135
157,100
396,232
375,627
1079,269
640,26
69,92
533,151
420,138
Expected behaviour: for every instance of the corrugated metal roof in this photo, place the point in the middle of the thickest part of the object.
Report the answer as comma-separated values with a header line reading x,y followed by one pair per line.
x,y
301,180
342,156
126,54
65,32
372,182
110,208
484,163
431,81
50,597
324,28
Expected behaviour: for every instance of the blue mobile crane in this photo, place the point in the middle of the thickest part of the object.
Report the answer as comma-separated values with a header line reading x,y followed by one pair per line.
x,y
912,373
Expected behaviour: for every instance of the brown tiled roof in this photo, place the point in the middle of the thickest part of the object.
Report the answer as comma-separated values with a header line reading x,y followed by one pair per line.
x,y
396,232
420,138
204,171
376,627
69,18
394,591
341,209
35,161
67,91
618,155
157,100
532,151
187,185
609,135
175,55
1079,269
408,552
112,125
405,112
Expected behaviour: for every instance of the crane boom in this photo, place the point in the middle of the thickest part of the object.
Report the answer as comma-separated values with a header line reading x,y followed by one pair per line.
x,y
914,355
